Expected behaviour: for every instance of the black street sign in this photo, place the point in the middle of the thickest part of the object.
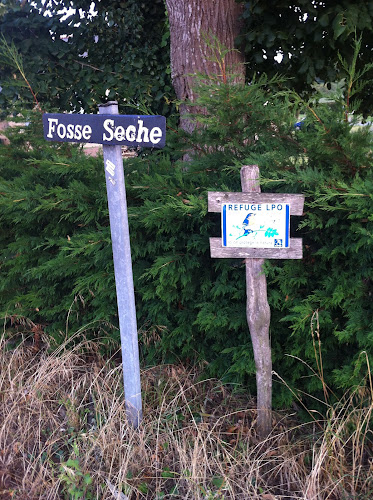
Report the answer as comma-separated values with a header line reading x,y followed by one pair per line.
x,y
110,130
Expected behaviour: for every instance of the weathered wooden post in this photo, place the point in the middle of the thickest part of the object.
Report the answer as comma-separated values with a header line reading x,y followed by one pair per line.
x,y
258,318
256,226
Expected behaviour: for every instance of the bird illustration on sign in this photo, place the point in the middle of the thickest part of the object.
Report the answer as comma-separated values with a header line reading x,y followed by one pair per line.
x,y
263,226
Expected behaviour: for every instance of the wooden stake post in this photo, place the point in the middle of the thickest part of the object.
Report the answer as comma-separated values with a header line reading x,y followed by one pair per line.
x,y
257,308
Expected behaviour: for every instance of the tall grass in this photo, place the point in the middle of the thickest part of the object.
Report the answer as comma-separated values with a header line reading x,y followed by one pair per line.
x,y
63,434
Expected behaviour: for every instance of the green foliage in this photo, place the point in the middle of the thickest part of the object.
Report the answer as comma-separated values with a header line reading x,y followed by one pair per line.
x,y
309,36
55,254
73,479
120,50
330,164
76,62
45,197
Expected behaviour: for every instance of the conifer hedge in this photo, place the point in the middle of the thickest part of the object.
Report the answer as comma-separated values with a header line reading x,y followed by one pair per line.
x,y
55,255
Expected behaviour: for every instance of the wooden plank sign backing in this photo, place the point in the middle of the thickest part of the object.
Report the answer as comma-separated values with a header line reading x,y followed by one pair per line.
x,y
216,198
254,237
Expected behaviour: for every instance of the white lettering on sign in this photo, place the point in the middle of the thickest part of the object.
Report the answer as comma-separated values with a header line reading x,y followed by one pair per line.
x,y
131,133
129,130
155,135
141,134
51,127
110,167
119,133
86,132
109,127
142,130
70,131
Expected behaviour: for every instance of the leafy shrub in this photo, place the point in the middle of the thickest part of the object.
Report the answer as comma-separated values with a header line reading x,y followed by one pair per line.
x,y
56,263
77,61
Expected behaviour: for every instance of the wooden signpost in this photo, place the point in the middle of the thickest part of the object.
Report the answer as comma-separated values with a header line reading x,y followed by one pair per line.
x,y
114,130
256,226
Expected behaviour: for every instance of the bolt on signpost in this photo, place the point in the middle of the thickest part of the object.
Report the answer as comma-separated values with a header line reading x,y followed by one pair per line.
x,y
113,130
256,226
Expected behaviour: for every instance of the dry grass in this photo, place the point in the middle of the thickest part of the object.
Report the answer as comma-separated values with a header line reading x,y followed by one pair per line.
x,y
63,434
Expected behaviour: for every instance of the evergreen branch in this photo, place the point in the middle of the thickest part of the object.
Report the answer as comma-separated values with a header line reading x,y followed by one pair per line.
x,y
14,59
94,68
219,53
353,75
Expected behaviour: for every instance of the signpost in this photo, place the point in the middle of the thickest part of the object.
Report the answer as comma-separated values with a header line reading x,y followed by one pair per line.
x,y
113,130
255,226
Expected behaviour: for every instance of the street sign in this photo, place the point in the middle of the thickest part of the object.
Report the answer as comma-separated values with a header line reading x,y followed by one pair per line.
x,y
107,129
255,225
113,131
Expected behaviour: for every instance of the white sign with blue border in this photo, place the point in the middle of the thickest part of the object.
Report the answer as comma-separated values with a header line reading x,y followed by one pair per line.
x,y
256,225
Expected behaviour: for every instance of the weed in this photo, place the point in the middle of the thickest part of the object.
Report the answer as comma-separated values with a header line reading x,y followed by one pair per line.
x,y
63,435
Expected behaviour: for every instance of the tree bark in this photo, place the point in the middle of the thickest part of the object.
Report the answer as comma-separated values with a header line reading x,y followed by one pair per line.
x,y
189,21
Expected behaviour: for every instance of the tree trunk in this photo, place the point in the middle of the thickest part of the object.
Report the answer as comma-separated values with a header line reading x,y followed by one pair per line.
x,y
189,21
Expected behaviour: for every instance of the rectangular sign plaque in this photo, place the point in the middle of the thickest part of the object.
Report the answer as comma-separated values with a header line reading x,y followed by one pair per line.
x,y
255,225
120,130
